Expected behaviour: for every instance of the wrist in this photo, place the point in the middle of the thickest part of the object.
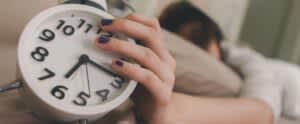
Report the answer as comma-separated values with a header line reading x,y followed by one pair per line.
x,y
166,114
161,118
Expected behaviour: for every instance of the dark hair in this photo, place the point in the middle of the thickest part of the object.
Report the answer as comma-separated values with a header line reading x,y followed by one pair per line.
x,y
183,12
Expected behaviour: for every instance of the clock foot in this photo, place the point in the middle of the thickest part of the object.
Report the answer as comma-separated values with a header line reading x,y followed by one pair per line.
x,y
12,86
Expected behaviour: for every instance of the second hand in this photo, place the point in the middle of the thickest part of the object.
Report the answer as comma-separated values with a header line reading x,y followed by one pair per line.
x,y
88,77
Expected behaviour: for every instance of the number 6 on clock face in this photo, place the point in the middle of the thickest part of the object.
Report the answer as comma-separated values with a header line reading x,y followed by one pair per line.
x,y
63,68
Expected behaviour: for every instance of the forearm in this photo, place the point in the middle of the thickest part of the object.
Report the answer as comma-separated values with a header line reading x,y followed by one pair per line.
x,y
186,109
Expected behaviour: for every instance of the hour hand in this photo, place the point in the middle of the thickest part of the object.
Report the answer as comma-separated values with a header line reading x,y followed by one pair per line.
x,y
82,60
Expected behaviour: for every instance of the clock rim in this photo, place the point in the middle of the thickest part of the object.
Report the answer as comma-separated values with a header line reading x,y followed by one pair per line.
x,y
77,110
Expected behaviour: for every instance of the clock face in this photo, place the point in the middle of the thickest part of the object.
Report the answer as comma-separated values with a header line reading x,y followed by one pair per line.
x,y
61,64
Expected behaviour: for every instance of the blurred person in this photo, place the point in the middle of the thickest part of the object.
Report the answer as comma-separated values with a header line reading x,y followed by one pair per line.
x,y
271,86
194,25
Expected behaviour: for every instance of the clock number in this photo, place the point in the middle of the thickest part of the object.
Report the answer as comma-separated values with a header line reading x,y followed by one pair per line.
x,y
40,54
119,81
47,35
59,92
103,94
50,74
89,27
82,22
68,30
81,101
61,23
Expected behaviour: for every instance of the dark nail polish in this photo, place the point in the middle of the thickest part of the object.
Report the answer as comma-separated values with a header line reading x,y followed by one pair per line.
x,y
105,22
103,40
119,63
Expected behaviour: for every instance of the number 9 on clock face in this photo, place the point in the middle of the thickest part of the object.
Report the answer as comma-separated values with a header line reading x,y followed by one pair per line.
x,y
61,65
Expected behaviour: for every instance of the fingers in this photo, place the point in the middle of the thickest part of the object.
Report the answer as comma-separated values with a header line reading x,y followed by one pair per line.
x,y
150,36
147,78
130,28
142,55
158,75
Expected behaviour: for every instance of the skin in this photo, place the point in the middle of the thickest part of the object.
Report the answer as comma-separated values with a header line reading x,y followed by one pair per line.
x,y
155,99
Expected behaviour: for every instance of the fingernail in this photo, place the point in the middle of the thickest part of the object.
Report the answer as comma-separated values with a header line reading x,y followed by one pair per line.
x,y
119,63
105,22
103,40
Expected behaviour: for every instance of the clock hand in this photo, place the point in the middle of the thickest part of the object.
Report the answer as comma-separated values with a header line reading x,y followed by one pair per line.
x,y
88,78
82,60
107,71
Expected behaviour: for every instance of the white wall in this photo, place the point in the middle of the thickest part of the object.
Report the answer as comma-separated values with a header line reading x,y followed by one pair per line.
x,y
290,43
264,24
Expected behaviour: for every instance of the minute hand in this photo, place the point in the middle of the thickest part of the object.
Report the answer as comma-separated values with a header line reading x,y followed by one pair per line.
x,y
109,72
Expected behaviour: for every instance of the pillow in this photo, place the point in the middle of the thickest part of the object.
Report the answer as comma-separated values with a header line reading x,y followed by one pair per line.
x,y
198,73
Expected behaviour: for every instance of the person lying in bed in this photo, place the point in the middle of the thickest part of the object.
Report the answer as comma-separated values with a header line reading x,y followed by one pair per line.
x,y
271,86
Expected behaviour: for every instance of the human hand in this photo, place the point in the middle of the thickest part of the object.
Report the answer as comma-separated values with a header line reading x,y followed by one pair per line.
x,y
156,73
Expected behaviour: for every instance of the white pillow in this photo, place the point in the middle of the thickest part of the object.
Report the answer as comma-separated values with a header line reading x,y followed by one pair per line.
x,y
275,82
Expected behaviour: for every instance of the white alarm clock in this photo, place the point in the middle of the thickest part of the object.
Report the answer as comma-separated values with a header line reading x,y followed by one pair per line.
x,y
65,77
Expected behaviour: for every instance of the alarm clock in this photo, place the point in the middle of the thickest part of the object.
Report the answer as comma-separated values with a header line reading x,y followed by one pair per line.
x,y
65,78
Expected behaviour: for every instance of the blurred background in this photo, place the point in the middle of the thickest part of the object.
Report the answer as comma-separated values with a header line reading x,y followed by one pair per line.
x,y
269,26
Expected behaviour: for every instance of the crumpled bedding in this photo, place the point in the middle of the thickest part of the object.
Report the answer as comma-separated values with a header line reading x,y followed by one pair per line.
x,y
273,81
